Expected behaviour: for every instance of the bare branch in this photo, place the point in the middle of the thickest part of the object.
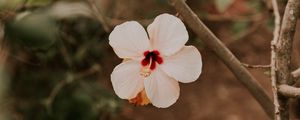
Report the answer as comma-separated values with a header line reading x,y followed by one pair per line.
x,y
49,100
99,16
276,33
69,79
224,54
289,91
281,56
296,73
257,66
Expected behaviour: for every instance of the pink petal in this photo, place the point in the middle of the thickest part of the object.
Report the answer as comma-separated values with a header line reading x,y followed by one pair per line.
x,y
167,34
162,90
126,79
129,40
185,66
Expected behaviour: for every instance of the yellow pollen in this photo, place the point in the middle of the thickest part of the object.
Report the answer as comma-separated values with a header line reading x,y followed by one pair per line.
x,y
145,71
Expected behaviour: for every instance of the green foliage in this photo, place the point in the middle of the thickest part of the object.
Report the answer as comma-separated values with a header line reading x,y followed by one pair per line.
x,y
35,31
92,101
49,47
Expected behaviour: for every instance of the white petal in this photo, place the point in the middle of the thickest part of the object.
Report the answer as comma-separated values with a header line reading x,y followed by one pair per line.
x,y
162,90
185,66
129,40
167,34
126,79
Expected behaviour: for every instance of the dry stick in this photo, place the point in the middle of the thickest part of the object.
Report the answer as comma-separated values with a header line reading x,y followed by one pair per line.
x,y
276,33
257,66
296,73
225,55
289,91
283,50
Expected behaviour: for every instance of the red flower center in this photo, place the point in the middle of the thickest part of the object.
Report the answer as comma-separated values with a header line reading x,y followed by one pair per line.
x,y
151,58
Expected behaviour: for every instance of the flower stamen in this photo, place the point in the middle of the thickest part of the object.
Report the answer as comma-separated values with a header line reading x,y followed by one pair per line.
x,y
149,62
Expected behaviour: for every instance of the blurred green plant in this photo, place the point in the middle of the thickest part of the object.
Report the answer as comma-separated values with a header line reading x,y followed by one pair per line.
x,y
33,30
47,46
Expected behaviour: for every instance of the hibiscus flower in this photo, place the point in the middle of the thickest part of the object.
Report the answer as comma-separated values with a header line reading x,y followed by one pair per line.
x,y
153,65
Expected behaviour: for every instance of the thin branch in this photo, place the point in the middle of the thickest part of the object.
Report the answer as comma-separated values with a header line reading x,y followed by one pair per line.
x,y
276,33
257,66
225,55
296,73
284,43
283,50
99,16
69,79
49,100
289,91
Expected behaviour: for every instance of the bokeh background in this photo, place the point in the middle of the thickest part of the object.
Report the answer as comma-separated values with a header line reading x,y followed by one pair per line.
x,y
55,60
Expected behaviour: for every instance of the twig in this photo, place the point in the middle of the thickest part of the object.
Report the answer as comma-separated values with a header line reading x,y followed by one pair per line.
x,y
225,55
283,50
296,73
99,16
289,91
69,79
48,101
276,33
257,66
66,56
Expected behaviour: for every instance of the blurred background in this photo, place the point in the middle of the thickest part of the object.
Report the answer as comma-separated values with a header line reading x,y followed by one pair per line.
x,y
55,60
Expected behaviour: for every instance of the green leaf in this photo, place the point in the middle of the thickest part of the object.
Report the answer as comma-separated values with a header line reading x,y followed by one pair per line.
x,y
36,31
223,5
